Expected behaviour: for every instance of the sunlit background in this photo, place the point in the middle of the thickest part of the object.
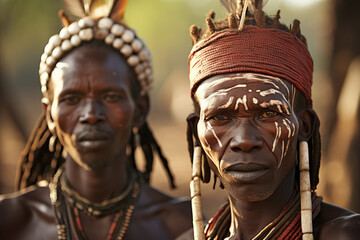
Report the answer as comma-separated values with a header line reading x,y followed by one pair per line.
x,y
26,26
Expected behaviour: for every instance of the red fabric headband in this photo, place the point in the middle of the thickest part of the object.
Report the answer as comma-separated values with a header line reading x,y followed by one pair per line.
x,y
259,50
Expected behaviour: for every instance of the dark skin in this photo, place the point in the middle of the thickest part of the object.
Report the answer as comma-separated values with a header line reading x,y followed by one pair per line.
x,y
249,127
92,111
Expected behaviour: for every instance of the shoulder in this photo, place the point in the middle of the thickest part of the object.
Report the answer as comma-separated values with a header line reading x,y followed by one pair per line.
x,y
334,222
24,210
152,200
160,216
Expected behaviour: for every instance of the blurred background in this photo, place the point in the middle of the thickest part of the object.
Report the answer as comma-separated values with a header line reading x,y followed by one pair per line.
x,y
330,26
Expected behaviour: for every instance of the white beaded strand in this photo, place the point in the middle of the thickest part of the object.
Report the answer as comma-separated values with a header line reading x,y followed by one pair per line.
x,y
121,38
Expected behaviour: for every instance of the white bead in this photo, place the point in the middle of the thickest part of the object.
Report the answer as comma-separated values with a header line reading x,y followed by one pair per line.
x,y
146,64
43,89
55,40
75,40
139,68
57,52
66,46
141,77
101,33
128,36
109,39
44,78
86,22
136,45
105,23
126,50
50,61
44,57
143,55
48,49
42,67
148,71
133,60
64,33
86,34
117,43
117,29
73,28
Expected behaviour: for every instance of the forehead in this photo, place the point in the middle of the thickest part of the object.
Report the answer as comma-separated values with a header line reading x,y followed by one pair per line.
x,y
95,64
241,83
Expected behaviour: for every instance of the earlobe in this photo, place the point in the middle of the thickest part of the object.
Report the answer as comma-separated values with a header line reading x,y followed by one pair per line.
x,y
308,122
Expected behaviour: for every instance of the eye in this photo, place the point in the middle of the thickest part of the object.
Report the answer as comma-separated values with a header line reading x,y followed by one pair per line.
x,y
269,114
220,117
112,97
71,100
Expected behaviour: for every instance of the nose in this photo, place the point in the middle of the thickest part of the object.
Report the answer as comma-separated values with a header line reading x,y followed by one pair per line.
x,y
245,137
92,112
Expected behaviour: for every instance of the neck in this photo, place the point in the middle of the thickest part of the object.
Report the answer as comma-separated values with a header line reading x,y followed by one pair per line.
x,y
249,218
98,185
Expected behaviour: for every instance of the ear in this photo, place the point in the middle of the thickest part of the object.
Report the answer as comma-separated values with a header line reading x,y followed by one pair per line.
x,y
192,121
308,123
46,105
141,111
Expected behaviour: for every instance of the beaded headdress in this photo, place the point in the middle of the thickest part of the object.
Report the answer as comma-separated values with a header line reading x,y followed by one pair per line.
x,y
99,19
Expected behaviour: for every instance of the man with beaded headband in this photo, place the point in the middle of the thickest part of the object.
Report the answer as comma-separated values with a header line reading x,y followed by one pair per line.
x,y
254,127
95,78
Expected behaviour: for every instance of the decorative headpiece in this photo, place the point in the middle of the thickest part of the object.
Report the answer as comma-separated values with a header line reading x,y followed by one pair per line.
x,y
247,48
99,19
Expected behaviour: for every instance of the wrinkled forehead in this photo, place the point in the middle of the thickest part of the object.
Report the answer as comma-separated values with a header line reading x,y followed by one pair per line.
x,y
248,82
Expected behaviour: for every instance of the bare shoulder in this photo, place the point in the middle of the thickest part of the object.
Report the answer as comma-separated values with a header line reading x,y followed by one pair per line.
x,y
160,216
335,222
24,212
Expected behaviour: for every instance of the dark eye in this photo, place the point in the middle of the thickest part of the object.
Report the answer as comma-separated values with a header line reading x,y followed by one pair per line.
x,y
220,117
71,100
269,114
112,97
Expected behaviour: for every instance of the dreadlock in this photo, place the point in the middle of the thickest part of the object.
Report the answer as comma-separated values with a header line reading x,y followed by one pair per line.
x,y
38,163
260,19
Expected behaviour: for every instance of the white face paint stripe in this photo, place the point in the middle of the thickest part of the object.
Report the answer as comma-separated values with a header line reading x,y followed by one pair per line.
x,y
277,136
282,153
255,101
288,128
213,132
226,105
271,91
242,101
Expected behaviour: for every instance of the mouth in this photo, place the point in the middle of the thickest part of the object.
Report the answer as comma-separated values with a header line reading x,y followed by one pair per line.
x,y
93,140
244,173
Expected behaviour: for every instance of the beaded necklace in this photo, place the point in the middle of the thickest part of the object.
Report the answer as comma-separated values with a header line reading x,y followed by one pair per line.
x,y
68,205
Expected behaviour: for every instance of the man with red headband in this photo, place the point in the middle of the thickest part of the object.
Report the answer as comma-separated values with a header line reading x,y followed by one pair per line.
x,y
250,80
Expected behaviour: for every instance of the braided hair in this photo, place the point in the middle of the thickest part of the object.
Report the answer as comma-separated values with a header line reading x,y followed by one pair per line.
x,y
38,162
257,18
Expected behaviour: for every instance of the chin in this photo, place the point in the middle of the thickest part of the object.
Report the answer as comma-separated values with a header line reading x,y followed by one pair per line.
x,y
248,192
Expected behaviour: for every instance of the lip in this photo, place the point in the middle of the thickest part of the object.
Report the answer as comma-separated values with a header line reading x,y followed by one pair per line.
x,y
93,140
244,173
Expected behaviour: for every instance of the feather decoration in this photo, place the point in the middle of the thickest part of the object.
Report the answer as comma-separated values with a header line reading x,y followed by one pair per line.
x,y
236,6
96,9
118,10
230,5
75,7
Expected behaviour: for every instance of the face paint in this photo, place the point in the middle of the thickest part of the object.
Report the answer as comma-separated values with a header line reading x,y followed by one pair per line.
x,y
247,124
